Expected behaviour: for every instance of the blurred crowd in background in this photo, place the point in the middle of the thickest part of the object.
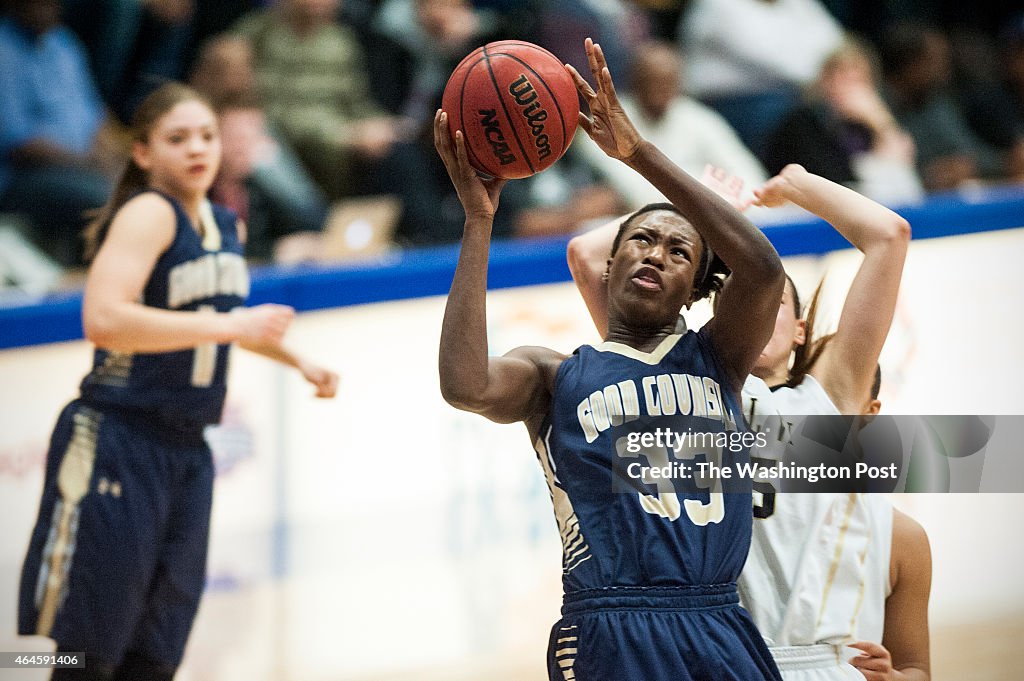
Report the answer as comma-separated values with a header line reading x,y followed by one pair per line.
x,y
328,103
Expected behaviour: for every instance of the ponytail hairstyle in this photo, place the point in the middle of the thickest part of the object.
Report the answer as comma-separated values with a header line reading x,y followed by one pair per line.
x,y
134,179
807,355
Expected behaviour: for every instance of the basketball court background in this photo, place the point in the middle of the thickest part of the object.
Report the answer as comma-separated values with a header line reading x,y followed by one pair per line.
x,y
384,535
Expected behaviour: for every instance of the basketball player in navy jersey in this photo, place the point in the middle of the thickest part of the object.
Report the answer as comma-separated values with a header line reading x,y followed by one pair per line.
x,y
649,576
825,570
117,560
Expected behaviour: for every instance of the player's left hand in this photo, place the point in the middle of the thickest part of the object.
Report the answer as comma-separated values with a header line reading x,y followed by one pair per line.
x,y
779,190
876,662
325,380
608,126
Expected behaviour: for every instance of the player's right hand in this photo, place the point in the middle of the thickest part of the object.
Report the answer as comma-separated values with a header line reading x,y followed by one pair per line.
x,y
479,196
875,663
263,324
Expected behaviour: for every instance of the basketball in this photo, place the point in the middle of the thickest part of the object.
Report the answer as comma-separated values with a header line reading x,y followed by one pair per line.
x,y
516,106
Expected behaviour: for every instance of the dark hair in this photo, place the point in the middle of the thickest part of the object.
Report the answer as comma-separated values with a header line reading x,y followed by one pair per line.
x,y
902,44
233,101
807,355
796,295
712,272
134,179
876,385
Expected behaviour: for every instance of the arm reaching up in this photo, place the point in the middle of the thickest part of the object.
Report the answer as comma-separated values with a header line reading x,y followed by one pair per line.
x,y
504,389
846,367
749,302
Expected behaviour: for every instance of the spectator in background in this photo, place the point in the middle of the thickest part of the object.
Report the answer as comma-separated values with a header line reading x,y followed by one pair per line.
x,y
845,132
134,45
414,46
425,40
1011,44
563,25
916,65
58,149
689,133
990,88
566,198
312,76
750,59
260,177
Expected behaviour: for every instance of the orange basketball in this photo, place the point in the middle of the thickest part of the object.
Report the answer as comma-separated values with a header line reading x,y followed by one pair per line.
x,y
516,106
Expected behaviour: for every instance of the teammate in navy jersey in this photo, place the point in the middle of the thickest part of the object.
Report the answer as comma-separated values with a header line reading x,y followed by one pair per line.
x,y
117,560
649,575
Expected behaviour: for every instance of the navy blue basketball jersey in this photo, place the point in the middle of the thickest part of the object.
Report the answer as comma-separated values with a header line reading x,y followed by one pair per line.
x,y
198,272
658,532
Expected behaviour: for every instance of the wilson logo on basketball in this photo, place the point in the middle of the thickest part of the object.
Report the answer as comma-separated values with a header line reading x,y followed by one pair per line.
x,y
492,131
522,90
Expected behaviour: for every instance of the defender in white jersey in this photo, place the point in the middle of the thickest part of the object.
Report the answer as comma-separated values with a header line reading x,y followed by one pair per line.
x,y
827,571
820,569
817,576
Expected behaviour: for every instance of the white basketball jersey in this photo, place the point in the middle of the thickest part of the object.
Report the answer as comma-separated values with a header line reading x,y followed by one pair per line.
x,y
818,569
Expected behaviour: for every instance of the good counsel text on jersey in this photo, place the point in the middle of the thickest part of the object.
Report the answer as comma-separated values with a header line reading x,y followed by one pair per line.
x,y
196,273
659,561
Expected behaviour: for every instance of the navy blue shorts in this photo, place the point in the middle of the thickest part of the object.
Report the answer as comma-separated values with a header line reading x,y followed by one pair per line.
x,y
117,560
657,634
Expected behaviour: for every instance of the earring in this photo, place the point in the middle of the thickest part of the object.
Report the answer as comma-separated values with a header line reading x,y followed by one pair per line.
x,y
604,277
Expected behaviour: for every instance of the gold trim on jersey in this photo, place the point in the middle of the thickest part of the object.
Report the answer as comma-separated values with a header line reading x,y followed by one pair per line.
x,y
115,370
575,549
851,505
653,357
862,561
566,648
208,225
73,483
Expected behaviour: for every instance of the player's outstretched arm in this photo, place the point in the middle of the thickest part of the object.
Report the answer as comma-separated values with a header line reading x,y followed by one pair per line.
x,y
904,653
846,367
504,389
114,319
749,303
323,379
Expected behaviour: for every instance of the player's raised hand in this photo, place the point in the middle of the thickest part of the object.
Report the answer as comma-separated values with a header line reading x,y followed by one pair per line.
x,y
608,125
875,663
479,196
325,380
263,324
779,190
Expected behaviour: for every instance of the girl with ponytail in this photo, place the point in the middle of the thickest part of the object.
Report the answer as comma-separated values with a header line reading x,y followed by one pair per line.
x,y
117,560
